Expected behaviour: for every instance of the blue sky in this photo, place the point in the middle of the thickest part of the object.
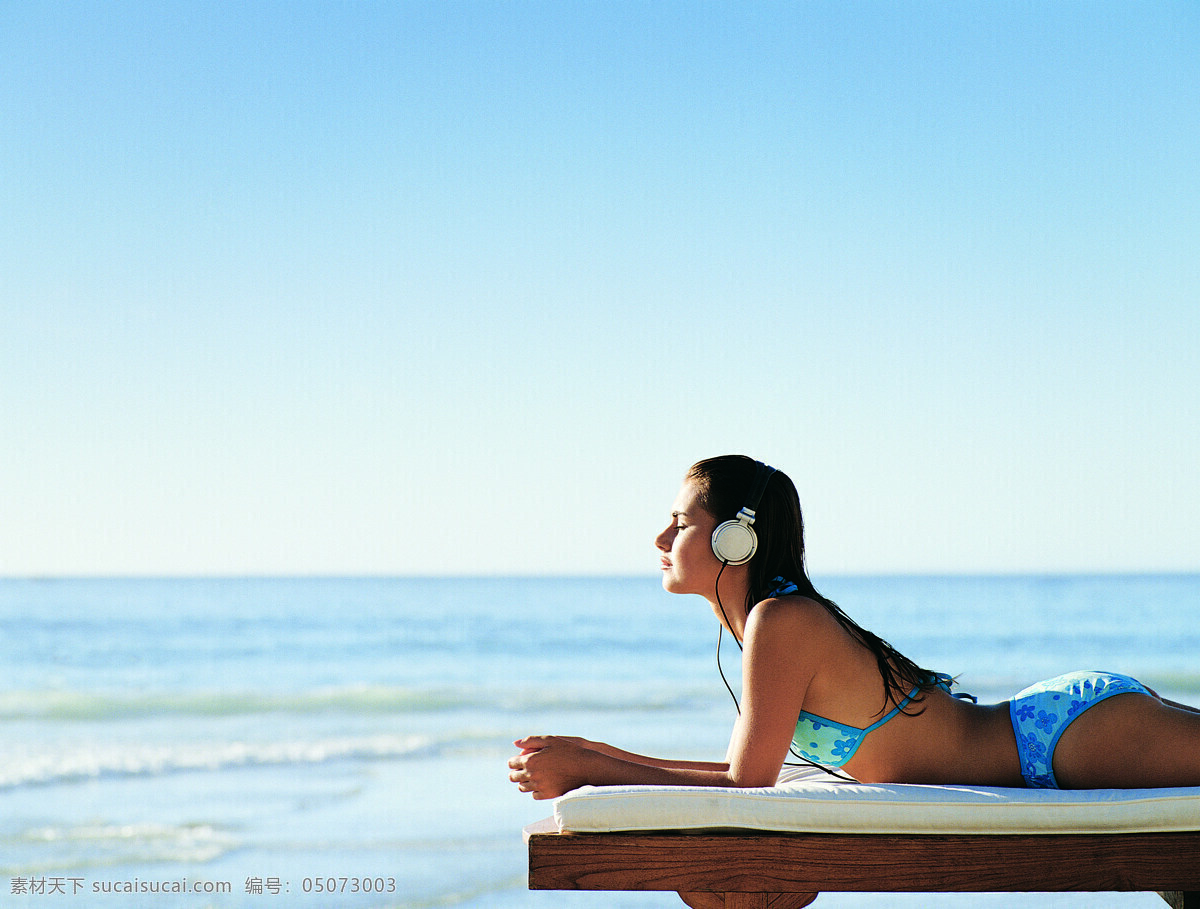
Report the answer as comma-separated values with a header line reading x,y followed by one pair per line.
x,y
430,288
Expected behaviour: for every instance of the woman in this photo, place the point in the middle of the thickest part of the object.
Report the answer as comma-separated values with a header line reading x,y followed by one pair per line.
x,y
816,684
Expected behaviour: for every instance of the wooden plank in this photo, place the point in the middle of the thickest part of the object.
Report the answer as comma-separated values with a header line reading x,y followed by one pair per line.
x,y
745,901
701,900
795,863
1177,900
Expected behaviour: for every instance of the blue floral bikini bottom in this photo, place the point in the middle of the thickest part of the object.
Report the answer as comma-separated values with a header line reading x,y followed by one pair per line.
x,y
1042,712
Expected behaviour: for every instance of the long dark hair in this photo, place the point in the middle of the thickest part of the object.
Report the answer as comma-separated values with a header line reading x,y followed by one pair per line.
x,y
722,485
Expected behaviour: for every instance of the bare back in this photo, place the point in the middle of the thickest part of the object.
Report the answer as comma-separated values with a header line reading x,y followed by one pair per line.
x,y
937,738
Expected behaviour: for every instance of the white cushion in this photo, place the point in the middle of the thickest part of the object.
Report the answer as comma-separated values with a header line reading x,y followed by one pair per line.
x,y
809,801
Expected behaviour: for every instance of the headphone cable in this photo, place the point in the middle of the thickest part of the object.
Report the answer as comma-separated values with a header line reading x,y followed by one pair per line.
x,y
720,633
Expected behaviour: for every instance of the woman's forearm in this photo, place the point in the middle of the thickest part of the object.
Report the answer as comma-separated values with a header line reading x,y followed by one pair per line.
x,y
549,766
661,763
617,768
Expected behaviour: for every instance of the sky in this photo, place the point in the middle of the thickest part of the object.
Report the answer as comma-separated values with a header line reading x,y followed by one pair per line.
x,y
451,288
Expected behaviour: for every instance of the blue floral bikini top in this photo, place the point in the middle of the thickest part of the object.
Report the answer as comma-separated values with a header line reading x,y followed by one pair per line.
x,y
827,741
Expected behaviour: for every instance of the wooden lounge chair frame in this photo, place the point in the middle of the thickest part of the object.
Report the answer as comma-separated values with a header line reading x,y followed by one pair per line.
x,y
751,870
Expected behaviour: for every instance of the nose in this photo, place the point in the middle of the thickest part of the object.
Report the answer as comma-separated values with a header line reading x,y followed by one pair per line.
x,y
662,542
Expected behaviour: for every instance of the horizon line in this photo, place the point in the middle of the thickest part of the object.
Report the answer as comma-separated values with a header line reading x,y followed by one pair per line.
x,y
501,576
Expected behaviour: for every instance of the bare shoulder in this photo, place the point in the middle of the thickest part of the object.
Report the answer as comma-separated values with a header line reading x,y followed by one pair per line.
x,y
787,641
795,619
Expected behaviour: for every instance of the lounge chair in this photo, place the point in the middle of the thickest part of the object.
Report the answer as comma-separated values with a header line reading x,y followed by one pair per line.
x,y
780,847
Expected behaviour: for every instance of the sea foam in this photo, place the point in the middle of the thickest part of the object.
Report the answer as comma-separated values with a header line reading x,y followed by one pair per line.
x,y
48,764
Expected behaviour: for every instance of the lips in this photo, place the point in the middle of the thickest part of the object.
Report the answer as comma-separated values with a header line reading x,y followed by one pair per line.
x,y
665,564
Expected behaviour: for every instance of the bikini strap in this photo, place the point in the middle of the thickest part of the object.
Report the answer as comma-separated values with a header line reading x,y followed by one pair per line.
x,y
781,587
891,713
946,682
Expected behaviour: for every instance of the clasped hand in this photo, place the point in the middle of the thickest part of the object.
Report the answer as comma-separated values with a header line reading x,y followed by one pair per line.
x,y
550,765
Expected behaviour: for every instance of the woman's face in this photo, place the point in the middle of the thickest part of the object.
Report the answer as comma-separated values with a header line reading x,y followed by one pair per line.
x,y
688,563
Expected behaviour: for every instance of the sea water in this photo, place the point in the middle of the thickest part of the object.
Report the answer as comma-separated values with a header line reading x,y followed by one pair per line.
x,y
342,742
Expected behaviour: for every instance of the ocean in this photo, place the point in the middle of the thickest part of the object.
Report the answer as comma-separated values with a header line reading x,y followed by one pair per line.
x,y
320,742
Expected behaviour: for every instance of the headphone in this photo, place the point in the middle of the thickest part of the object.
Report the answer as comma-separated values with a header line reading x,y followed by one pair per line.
x,y
734,542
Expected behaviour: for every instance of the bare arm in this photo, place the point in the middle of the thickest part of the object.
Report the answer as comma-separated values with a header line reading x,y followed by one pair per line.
x,y
549,766
774,682
782,652
666,763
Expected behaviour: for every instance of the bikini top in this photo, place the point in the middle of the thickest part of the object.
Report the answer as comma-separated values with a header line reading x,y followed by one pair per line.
x,y
832,743
829,742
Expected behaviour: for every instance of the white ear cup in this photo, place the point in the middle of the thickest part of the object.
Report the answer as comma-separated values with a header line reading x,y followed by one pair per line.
x,y
734,542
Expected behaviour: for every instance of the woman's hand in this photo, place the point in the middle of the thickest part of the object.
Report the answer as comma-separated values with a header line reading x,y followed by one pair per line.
x,y
550,765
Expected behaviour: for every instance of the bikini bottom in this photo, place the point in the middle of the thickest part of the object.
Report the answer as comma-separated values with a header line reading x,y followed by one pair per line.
x,y
1041,714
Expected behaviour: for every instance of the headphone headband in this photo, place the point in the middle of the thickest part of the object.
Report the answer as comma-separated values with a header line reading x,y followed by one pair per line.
x,y
761,478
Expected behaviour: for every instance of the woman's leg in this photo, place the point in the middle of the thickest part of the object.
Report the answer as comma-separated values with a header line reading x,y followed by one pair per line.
x,y
1130,741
